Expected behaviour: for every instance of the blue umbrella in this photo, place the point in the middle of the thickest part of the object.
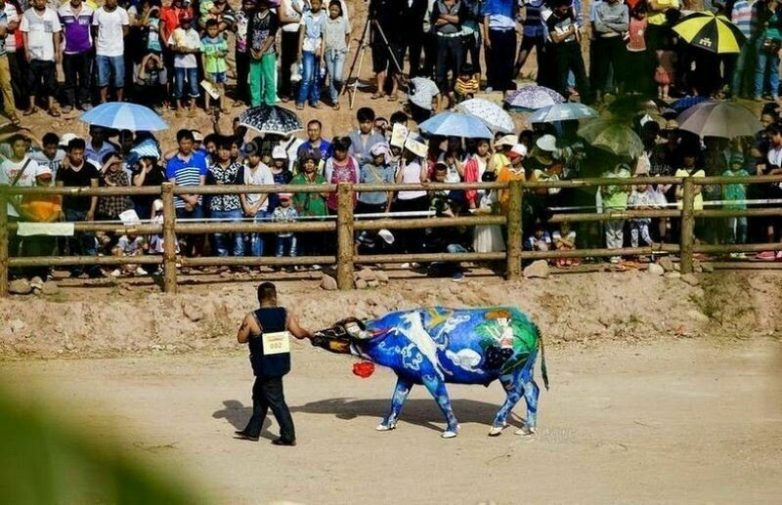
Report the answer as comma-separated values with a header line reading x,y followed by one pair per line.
x,y
531,98
562,112
124,116
687,102
456,124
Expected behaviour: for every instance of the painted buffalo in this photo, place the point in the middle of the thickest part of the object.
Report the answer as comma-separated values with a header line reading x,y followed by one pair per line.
x,y
438,345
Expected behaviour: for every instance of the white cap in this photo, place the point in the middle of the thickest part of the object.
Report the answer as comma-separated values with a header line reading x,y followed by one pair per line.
x,y
66,139
547,143
43,170
278,153
379,149
157,205
519,149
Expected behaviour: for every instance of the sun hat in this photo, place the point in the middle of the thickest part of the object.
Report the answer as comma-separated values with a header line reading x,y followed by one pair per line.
x,y
157,205
506,140
285,196
44,171
547,143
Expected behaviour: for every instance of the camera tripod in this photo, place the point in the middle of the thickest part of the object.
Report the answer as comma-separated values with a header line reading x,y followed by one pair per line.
x,y
352,81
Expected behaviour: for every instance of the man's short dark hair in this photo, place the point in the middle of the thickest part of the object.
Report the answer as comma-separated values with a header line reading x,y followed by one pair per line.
x,y
184,134
267,292
212,22
225,142
774,129
13,139
77,144
365,114
398,117
315,121
50,138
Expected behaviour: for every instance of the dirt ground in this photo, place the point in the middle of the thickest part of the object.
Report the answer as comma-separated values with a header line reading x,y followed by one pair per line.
x,y
674,421
662,392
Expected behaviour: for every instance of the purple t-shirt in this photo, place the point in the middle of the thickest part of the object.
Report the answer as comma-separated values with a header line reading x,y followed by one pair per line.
x,y
76,28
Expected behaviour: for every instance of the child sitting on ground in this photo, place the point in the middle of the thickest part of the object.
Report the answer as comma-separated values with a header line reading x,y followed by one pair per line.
x,y
129,245
540,240
565,240
467,85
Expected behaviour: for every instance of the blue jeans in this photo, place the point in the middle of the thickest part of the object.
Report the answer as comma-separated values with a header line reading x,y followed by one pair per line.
x,y
189,74
222,241
286,245
109,66
309,88
82,243
765,62
335,61
256,239
738,71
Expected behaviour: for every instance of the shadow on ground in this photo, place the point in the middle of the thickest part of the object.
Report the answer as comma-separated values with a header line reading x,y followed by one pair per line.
x,y
420,412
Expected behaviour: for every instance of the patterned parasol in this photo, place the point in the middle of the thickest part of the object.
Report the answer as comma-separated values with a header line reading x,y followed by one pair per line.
x,y
562,112
490,113
533,98
271,119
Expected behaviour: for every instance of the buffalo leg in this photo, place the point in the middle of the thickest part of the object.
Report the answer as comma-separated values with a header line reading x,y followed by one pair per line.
x,y
513,387
401,391
531,393
436,387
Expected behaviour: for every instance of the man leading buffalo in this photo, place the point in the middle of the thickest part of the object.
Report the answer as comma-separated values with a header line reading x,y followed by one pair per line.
x,y
267,330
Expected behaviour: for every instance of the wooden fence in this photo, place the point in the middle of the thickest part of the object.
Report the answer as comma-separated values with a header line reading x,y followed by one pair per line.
x,y
346,225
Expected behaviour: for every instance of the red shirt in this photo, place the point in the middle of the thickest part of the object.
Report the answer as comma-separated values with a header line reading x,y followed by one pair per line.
x,y
169,16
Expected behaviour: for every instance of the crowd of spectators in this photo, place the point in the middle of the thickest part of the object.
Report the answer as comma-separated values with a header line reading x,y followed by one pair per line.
x,y
437,46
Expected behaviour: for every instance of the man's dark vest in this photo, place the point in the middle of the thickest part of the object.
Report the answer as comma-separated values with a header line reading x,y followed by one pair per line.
x,y
271,319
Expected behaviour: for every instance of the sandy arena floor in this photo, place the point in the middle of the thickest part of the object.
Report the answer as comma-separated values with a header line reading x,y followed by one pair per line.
x,y
685,421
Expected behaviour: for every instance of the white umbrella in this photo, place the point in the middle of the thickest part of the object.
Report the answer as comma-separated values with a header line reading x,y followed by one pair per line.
x,y
490,113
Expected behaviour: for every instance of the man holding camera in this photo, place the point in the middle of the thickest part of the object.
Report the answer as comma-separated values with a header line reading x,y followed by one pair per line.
x,y
266,331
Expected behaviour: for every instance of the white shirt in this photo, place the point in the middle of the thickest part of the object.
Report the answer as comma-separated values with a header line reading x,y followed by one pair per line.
x,y
775,156
9,171
411,174
261,176
39,29
186,39
11,16
110,36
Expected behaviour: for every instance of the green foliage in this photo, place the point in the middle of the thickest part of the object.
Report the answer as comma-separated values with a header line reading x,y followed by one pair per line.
x,y
43,462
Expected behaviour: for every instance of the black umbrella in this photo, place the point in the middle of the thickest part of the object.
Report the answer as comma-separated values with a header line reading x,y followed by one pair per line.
x,y
271,119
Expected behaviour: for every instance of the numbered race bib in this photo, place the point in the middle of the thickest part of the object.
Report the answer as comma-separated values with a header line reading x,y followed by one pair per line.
x,y
276,343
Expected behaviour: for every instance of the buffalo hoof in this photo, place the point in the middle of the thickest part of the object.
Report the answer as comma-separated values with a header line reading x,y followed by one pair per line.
x,y
525,431
385,427
450,433
496,431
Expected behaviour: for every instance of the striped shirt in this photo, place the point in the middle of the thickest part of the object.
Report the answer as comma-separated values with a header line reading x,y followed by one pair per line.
x,y
533,21
186,172
741,16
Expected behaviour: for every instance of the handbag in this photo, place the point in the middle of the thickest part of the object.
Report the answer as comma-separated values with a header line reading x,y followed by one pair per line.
x,y
771,46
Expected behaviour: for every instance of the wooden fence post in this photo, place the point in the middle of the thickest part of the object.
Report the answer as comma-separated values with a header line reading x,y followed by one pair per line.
x,y
4,237
687,226
513,269
169,239
345,236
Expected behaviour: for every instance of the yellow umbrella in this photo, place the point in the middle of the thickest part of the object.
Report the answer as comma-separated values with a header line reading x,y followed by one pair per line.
x,y
712,33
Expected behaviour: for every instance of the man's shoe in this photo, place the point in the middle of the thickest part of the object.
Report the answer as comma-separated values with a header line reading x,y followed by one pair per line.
x,y
280,441
243,435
